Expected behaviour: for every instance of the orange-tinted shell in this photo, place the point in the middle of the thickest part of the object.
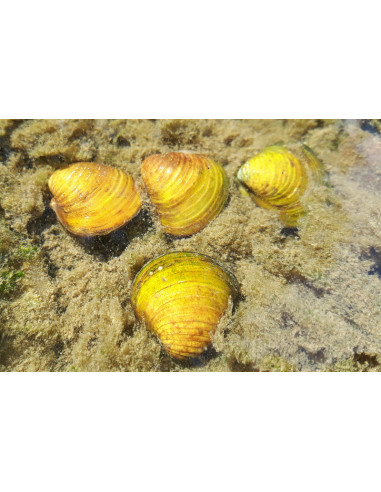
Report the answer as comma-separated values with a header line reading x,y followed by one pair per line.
x,y
181,297
93,199
188,190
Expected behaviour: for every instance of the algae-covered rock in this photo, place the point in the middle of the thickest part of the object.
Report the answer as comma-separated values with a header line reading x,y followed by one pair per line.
x,y
309,297
358,363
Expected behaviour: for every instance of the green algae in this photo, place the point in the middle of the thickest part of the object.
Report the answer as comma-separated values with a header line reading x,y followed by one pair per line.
x,y
9,281
15,256
27,252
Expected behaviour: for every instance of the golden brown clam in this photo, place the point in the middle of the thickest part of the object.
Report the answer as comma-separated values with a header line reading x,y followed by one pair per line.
x,y
278,179
188,190
93,199
181,297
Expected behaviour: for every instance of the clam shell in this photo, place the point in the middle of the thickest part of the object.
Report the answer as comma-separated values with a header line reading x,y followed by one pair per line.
x,y
188,190
181,297
93,199
279,178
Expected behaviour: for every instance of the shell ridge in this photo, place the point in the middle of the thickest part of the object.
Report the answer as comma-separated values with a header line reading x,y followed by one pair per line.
x,y
208,196
92,199
182,313
190,198
278,180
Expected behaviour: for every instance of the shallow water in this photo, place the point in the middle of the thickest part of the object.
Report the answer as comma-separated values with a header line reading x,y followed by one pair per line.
x,y
309,300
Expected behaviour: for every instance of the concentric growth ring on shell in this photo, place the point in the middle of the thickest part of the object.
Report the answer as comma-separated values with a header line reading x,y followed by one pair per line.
x,y
278,179
181,297
188,190
93,199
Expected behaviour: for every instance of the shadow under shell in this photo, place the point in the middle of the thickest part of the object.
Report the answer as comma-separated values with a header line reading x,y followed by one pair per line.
x,y
103,248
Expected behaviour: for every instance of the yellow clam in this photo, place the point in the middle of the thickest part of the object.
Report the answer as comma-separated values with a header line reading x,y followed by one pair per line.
x,y
188,190
279,178
181,297
93,199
